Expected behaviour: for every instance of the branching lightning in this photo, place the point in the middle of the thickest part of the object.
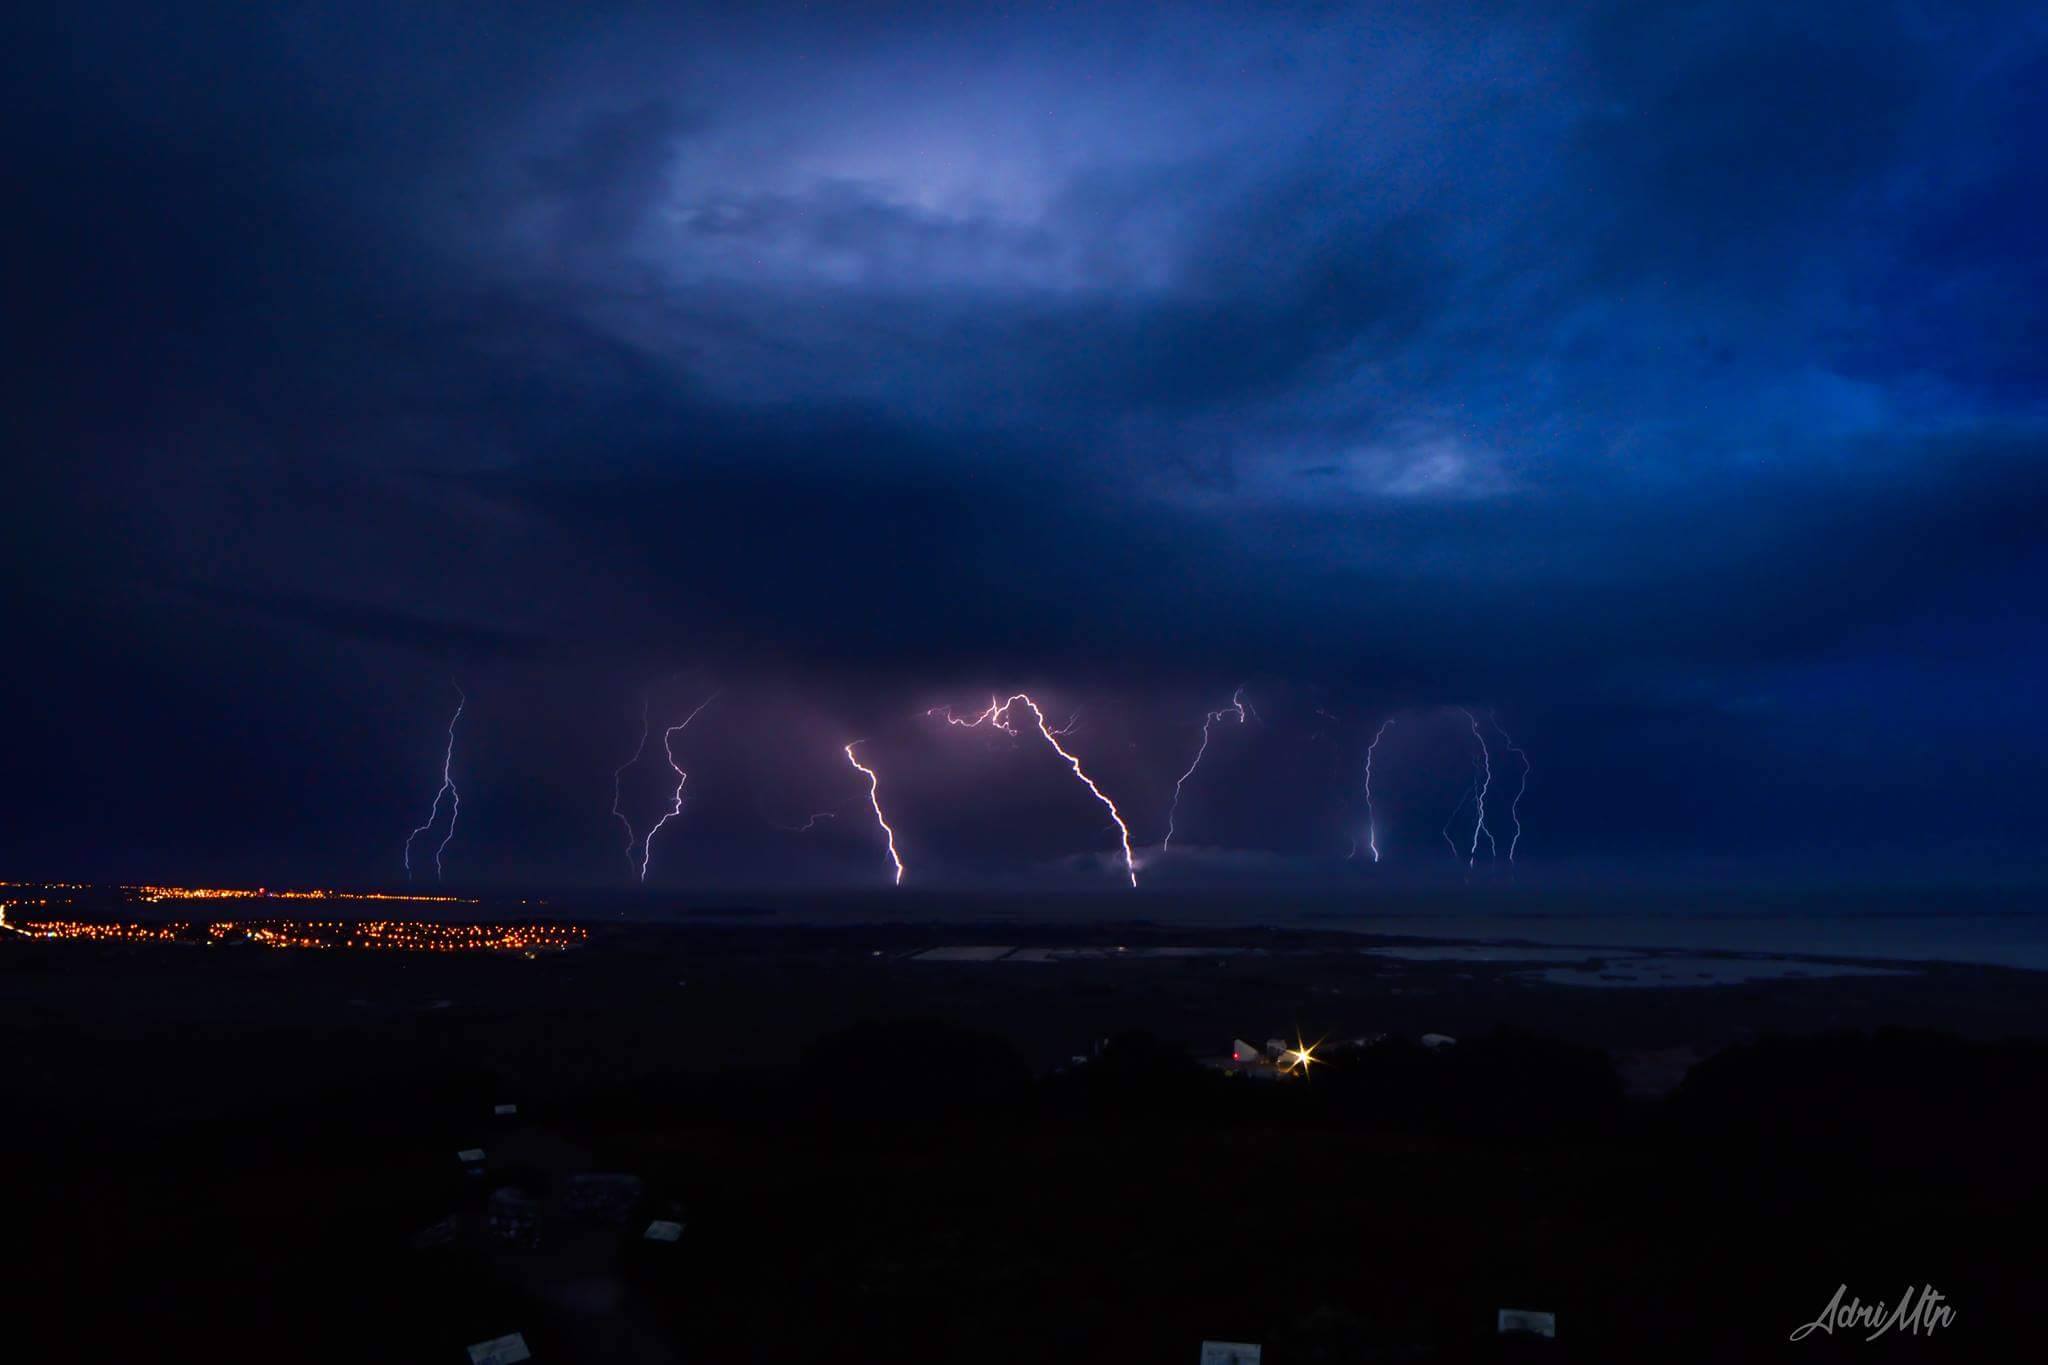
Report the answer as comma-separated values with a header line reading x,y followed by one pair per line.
x,y
446,789
997,716
1372,833
618,775
875,800
1236,708
1485,781
1515,806
675,807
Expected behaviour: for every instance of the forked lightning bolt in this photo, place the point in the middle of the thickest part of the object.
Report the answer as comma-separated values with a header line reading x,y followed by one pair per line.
x,y
675,806
1236,708
997,716
446,789
618,775
875,800
1515,806
1485,781
1372,833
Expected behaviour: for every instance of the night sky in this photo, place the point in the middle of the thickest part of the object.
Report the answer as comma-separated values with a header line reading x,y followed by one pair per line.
x,y
1668,383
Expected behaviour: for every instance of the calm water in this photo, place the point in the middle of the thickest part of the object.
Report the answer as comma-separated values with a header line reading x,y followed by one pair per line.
x,y
1998,929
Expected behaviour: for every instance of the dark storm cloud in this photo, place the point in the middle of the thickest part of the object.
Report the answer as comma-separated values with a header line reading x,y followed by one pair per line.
x,y
1594,362
354,621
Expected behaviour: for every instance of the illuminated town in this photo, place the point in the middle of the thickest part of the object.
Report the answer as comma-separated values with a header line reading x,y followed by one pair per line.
x,y
153,894
417,936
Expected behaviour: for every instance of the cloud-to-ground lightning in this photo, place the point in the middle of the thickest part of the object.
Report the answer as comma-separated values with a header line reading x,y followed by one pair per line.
x,y
1236,708
447,789
618,775
1515,806
675,806
875,800
1463,797
1485,781
998,716
1372,831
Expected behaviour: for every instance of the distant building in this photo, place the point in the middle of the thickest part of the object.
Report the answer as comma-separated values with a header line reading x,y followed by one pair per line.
x,y
1514,1320
1245,1059
603,1197
506,1350
513,1217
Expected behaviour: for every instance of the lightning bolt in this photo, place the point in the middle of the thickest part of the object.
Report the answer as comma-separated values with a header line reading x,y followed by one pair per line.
x,y
1463,797
675,806
1515,806
618,775
875,800
1236,708
997,716
807,826
1372,837
446,789
1485,781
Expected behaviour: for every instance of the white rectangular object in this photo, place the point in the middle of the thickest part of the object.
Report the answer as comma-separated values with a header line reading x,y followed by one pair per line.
x,y
508,1350
1521,1320
502,1109
662,1230
1229,1353
470,1156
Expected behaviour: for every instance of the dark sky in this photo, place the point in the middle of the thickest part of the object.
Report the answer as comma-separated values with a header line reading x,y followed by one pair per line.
x,y
1668,382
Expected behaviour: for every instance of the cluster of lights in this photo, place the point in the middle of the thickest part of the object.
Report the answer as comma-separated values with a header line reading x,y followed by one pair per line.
x,y
91,932
153,894
412,936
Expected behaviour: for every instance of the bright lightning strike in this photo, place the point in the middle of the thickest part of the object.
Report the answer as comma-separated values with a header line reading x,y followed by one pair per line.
x,y
875,800
1236,708
675,807
618,775
1372,833
1485,781
997,716
1515,806
446,789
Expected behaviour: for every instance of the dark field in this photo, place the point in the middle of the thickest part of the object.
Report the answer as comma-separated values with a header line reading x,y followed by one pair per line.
x,y
228,1154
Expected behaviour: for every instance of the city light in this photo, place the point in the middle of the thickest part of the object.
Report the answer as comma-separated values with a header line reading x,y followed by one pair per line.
x,y
411,936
